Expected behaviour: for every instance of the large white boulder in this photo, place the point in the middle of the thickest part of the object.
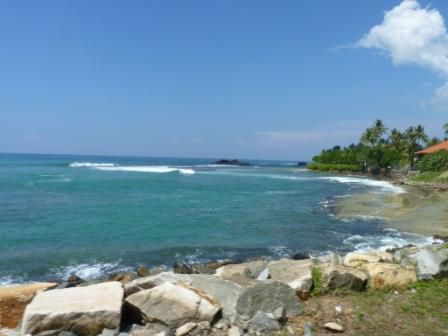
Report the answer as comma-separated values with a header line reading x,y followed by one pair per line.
x,y
384,275
224,291
173,305
250,270
354,259
295,273
13,301
154,281
81,310
431,261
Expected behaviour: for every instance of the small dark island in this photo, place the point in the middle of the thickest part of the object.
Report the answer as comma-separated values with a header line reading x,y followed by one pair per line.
x,y
233,162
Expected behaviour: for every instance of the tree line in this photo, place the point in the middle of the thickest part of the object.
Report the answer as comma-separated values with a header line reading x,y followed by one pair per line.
x,y
378,148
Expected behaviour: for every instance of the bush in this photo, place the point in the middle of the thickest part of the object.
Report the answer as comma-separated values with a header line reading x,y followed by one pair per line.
x,y
334,167
435,162
430,177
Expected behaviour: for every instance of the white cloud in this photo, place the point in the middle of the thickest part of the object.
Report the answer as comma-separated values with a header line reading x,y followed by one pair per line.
x,y
410,34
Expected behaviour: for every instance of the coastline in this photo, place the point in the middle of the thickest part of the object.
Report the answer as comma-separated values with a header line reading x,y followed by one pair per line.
x,y
421,209
295,285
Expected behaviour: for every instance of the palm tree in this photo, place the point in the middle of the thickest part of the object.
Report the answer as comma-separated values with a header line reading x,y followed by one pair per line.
x,y
368,137
420,135
433,141
379,128
445,128
374,134
396,138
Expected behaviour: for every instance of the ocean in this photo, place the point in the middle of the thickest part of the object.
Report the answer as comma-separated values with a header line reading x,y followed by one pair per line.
x,y
93,215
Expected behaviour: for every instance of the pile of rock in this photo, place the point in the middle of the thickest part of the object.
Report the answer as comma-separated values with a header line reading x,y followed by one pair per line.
x,y
251,298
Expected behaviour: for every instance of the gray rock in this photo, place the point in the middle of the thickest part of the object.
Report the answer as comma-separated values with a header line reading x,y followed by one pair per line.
x,y
150,329
307,329
109,332
263,322
224,291
155,280
81,310
334,327
295,273
142,271
69,333
248,270
222,324
172,304
431,261
330,258
73,281
234,331
336,276
55,333
268,296
185,329
354,259
9,332
264,274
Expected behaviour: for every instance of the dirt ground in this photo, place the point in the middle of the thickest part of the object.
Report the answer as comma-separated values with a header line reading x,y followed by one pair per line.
x,y
13,300
414,312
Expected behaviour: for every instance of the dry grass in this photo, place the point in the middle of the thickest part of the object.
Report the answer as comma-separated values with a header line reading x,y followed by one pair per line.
x,y
414,312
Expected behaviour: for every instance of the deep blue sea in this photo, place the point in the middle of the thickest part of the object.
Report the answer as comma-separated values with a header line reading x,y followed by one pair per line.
x,y
95,214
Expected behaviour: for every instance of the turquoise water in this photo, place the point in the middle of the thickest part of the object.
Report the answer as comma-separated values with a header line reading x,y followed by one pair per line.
x,y
91,215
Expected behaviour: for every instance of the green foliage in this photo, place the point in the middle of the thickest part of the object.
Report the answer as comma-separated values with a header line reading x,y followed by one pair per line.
x,y
422,311
335,167
378,149
317,276
429,294
434,162
430,177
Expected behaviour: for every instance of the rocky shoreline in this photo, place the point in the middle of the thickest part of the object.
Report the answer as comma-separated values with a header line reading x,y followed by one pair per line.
x,y
257,297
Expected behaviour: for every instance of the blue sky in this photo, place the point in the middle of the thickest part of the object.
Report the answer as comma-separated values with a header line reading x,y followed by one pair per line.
x,y
247,79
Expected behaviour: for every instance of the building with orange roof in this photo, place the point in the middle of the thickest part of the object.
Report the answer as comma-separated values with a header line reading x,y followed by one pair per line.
x,y
441,146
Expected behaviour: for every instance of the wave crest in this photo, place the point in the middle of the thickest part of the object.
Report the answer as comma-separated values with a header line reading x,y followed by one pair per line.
x,y
384,185
148,169
90,164
90,271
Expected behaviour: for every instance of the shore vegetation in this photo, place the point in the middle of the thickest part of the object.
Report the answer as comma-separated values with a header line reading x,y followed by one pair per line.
x,y
383,149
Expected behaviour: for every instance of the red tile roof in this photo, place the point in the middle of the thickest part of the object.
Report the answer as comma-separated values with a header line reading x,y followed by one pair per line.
x,y
433,149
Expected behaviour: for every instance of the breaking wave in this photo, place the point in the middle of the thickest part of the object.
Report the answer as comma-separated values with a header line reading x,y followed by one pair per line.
x,y
90,164
391,239
148,169
89,271
383,185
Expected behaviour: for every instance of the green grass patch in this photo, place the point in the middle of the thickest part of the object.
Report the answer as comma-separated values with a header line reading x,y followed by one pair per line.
x,y
334,167
430,177
420,311
317,276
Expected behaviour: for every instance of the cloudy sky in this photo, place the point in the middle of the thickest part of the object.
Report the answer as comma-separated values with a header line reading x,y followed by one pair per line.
x,y
246,79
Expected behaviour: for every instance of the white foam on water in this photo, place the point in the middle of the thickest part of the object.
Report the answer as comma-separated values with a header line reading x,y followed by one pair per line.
x,y
90,164
9,280
89,271
148,169
280,192
383,185
343,196
391,239
239,173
